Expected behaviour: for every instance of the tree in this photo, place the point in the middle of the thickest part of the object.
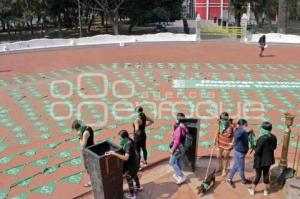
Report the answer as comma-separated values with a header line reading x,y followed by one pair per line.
x,y
147,11
282,16
110,8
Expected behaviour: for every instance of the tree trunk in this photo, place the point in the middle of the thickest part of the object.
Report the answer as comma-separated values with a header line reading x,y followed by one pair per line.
x,y
91,23
8,29
59,27
282,16
114,21
31,27
3,25
102,19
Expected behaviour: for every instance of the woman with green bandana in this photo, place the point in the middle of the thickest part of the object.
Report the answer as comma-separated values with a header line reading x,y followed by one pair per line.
x,y
224,141
86,138
264,156
131,162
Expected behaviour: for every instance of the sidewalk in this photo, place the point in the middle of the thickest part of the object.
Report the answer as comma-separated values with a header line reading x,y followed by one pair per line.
x,y
158,183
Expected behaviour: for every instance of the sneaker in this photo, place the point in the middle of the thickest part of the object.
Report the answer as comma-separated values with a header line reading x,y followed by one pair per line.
x,y
251,191
230,183
175,177
130,196
266,193
247,182
181,180
139,189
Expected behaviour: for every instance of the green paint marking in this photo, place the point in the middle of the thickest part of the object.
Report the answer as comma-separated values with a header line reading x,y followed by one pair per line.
x,y
76,161
3,147
162,147
157,137
7,159
53,145
25,182
74,179
24,142
46,189
206,144
235,84
45,136
29,153
22,196
21,134
40,163
14,171
64,154
3,193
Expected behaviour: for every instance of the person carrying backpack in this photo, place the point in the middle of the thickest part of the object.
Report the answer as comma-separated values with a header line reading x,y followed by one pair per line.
x,y
177,149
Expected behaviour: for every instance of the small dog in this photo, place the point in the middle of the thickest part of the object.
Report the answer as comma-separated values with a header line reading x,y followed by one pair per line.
x,y
208,183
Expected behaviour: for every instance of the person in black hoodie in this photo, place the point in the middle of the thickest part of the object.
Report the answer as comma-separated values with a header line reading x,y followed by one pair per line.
x,y
264,156
262,44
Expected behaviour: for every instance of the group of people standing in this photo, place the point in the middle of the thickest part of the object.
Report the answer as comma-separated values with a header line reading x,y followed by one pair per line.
x,y
131,148
237,137
230,136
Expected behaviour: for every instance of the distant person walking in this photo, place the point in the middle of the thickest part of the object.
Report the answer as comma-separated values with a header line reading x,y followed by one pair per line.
x,y
262,44
86,138
264,156
241,147
140,137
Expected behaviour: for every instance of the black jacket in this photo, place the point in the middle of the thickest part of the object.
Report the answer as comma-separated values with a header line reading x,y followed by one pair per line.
x,y
264,151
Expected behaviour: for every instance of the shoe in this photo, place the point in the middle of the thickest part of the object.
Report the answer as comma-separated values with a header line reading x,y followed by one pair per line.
x,y
247,182
139,189
251,191
230,183
175,177
266,193
130,196
181,180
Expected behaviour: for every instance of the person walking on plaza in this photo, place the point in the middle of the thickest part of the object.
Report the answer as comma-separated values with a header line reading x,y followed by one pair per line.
x,y
264,156
262,44
241,147
140,138
131,163
224,141
177,150
86,138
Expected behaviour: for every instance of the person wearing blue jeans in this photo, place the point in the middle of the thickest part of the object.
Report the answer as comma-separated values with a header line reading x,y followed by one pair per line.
x,y
241,147
177,150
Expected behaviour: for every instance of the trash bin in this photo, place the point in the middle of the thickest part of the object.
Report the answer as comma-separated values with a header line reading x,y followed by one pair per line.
x,y
219,21
224,23
193,126
106,172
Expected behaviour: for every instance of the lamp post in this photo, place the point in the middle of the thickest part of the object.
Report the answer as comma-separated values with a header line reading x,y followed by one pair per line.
x,y
79,19
289,119
283,163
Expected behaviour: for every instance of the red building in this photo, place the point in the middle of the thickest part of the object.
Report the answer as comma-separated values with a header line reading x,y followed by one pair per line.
x,y
208,9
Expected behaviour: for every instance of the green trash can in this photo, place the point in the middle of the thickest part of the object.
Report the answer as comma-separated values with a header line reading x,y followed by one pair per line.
x,y
190,157
106,172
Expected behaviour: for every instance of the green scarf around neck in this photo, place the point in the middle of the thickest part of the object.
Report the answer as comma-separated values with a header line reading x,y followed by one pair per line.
x,y
264,132
123,143
224,124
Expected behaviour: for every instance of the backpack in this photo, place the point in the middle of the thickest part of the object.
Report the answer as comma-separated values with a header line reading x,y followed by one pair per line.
x,y
187,141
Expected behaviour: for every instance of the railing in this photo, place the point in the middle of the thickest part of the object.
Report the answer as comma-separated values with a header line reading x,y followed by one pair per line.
x,y
223,31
